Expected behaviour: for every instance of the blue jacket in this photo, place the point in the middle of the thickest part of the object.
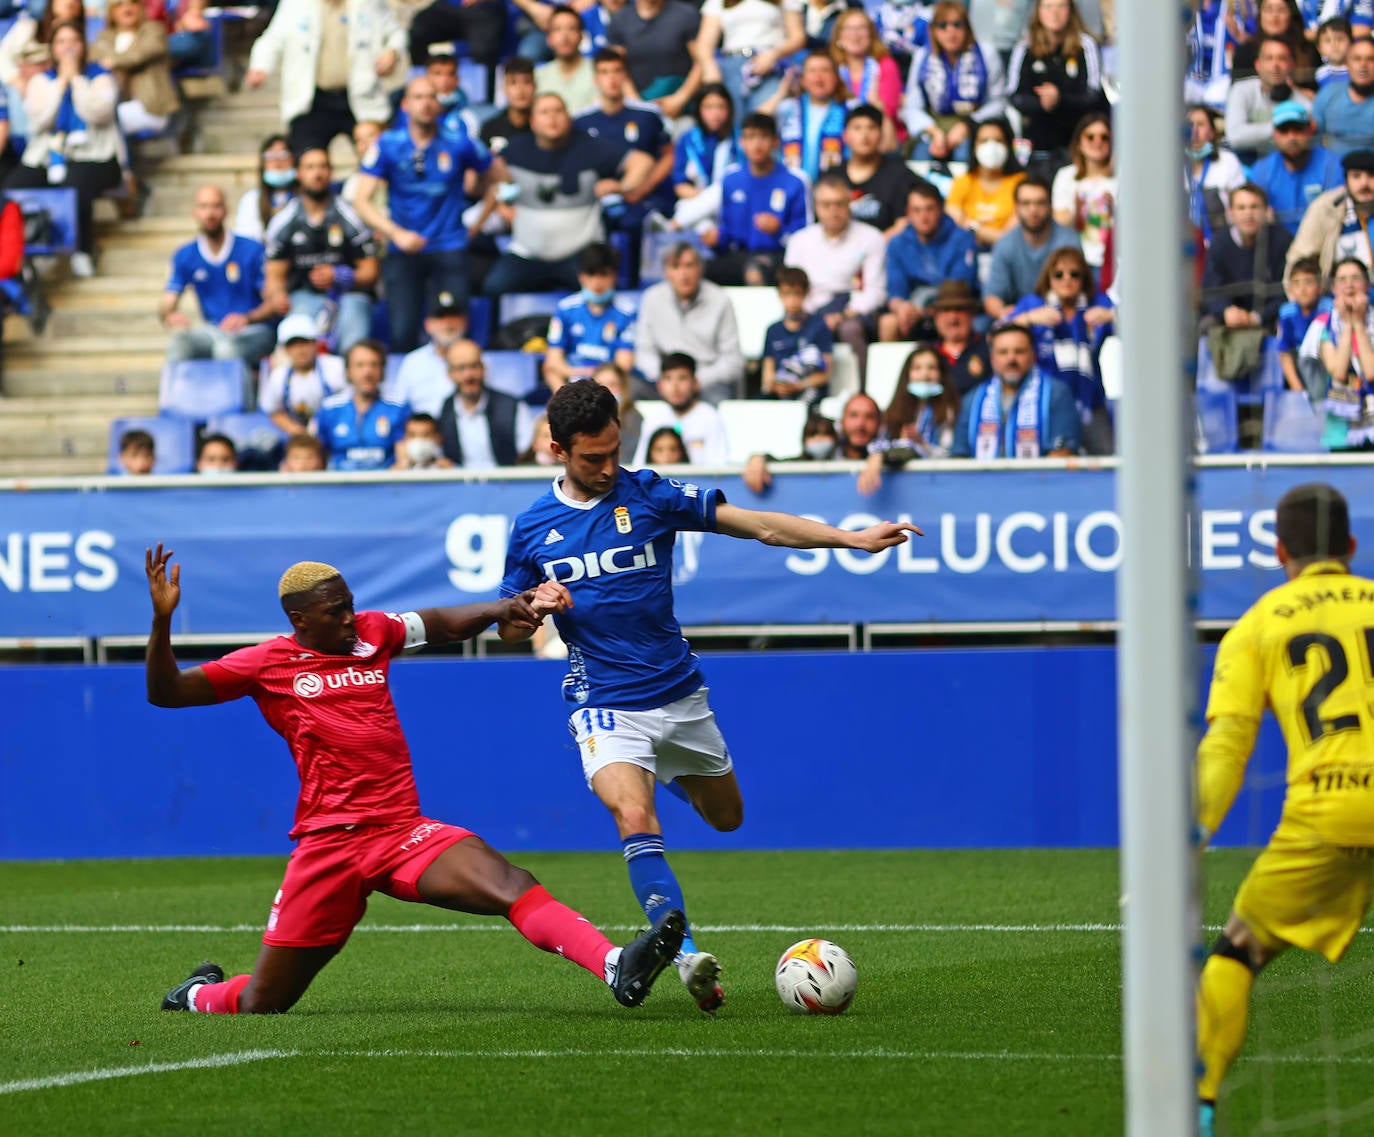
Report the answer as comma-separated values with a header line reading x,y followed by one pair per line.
x,y
912,263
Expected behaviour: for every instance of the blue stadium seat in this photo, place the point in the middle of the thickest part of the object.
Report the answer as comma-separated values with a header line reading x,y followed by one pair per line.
x,y
380,328
474,79
60,206
1216,418
514,372
198,389
393,365
1251,389
174,443
518,305
620,243
250,430
479,320
1290,424
198,71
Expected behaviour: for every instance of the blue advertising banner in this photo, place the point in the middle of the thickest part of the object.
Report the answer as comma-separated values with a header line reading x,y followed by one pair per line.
x,y
1023,545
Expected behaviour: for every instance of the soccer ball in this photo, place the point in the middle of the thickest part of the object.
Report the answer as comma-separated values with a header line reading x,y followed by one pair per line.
x,y
816,977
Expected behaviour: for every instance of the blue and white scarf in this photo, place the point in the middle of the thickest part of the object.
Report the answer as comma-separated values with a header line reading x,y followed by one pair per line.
x,y
1065,351
1208,40
1354,238
810,142
903,27
959,89
1020,436
68,121
706,158
867,90
1353,401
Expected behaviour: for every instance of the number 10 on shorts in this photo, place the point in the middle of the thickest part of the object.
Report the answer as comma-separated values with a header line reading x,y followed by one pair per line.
x,y
598,720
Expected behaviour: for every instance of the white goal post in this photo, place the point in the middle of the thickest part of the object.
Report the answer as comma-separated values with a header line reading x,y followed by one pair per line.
x,y
1156,654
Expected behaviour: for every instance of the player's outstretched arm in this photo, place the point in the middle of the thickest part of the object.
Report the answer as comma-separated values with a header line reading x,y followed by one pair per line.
x,y
802,533
168,685
1222,756
463,621
548,598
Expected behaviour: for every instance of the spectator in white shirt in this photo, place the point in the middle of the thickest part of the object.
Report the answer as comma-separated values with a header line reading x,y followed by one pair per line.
x,y
294,391
845,261
699,423
422,381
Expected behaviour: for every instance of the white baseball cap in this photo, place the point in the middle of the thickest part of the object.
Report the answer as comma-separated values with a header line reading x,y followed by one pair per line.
x,y
297,327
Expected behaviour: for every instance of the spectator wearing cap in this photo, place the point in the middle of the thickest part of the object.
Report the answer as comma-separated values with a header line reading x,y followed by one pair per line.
x,y
1298,170
294,390
964,349
423,169
481,428
592,326
422,382
1250,104
931,250
1344,112
1335,226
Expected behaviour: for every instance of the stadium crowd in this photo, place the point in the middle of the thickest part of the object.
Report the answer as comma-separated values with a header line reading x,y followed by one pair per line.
x,y
938,176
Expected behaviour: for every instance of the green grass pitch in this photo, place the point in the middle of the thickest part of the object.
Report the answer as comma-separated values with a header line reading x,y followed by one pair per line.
x,y
988,1004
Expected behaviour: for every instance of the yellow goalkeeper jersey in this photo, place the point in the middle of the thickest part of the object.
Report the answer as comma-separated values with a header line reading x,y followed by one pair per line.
x,y
1306,651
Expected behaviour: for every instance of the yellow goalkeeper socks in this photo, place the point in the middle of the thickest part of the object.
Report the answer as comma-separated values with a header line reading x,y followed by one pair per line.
x,y
1223,1007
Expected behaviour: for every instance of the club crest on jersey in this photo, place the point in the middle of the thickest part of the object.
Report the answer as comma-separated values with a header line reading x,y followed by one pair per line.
x,y
622,558
231,272
336,235
632,132
444,161
777,200
622,519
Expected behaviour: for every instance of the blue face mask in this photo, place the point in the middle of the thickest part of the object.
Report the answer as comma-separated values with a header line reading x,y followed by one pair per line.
x,y
279,179
921,390
598,297
1200,153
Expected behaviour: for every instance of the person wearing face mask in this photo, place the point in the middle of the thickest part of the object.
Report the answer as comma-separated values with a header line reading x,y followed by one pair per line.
x,y
1336,224
861,424
1251,102
422,445
918,422
293,391
481,428
276,186
591,326
1209,174
321,258
1344,112
983,200
1018,412
422,382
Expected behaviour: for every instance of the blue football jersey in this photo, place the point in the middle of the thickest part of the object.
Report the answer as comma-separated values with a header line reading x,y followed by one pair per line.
x,y
615,554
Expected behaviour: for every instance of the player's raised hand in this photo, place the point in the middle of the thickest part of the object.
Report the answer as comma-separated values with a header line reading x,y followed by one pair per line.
x,y
884,535
164,587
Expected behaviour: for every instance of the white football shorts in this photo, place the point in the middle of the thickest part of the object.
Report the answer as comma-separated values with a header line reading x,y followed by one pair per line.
x,y
680,738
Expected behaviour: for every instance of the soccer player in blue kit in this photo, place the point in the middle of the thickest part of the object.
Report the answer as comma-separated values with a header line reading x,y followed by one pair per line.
x,y
639,708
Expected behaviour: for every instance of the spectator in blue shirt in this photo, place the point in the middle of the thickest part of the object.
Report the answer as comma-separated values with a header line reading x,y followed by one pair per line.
x,y
226,272
1018,412
797,350
1305,303
591,327
1333,44
704,153
357,427
423,168
1296,171
762,203
1344,112
930,250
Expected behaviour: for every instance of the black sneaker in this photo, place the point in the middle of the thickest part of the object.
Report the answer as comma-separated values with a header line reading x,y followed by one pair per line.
x,y
645,957
179,997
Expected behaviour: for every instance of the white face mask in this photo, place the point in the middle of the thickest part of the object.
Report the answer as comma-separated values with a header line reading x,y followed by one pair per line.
x,y
991,155
422,451
819,448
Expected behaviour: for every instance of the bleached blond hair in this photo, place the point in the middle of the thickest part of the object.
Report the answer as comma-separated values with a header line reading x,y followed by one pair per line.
x,y
303,576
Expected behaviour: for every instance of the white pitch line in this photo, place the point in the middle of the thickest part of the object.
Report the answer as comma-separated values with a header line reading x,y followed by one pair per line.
x,y
243,1057
80,1077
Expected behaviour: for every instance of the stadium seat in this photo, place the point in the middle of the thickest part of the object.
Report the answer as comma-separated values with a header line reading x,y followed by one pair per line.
x,y
518,305
762,426
619,241
844,371
198,389
474,79
514,372
250,430
60,206
756,310
1218,429
479,320
1290,424
393,365
174,443
885,370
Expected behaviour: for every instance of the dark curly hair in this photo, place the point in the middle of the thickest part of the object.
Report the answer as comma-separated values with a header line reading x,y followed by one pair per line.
x,y
583,406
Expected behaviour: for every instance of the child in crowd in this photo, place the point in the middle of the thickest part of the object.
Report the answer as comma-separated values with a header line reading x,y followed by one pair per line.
x,y
666,448
798,348
136,452
1305,303
216,454
422,445
1333,41
304,454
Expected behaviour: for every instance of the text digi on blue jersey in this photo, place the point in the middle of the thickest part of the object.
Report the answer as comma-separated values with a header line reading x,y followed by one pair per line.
x,y
615,555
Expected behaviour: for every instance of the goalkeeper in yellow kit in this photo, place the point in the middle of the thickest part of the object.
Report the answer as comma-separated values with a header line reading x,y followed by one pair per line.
x,y
1305,650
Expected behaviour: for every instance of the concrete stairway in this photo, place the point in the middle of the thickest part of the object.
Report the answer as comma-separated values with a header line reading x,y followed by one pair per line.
x,y
102,351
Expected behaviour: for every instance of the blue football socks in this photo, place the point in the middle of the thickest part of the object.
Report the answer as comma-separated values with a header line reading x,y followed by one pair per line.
x,y
651,877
